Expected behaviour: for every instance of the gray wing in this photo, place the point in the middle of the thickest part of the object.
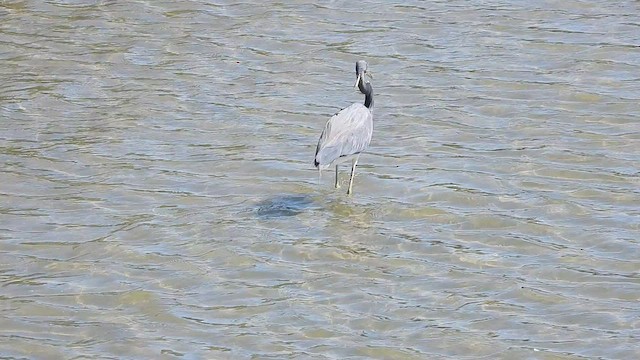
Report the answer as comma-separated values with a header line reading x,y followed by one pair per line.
x,y
346,133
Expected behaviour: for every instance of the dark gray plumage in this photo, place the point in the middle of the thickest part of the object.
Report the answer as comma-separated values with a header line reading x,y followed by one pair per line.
x,y
348,133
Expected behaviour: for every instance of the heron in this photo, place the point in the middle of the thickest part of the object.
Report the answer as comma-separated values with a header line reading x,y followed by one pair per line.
x,y
348,133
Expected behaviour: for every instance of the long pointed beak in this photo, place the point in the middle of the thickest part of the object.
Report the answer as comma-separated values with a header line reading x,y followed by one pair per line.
x,y
357,80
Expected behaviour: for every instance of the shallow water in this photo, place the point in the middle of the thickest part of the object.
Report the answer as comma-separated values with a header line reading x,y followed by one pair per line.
x,y
158,198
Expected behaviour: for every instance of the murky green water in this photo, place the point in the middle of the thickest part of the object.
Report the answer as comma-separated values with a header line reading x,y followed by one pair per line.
x,y
157,198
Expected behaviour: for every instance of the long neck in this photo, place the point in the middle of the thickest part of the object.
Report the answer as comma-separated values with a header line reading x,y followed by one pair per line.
x,y
367,90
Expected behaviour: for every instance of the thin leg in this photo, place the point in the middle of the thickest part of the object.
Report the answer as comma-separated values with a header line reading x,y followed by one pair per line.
x,y
353,173
337,185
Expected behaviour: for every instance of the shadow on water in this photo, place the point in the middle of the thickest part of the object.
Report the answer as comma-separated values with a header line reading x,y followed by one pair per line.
x,y
283,206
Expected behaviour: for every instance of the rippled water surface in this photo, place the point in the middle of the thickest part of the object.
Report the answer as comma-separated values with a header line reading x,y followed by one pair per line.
x,y
158,199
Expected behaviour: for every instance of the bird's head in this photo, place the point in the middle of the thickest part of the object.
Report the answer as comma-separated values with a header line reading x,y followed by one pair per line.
x,y
361,71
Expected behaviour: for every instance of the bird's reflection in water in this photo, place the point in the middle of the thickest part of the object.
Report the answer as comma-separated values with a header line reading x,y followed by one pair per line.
x,y
284,205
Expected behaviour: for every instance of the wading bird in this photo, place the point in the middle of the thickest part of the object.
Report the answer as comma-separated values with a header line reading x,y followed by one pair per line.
x,y
348,132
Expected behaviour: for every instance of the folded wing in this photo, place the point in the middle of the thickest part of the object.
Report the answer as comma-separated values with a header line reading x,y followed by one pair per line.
x,y
347,133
